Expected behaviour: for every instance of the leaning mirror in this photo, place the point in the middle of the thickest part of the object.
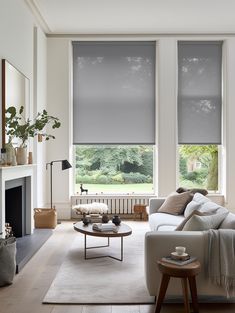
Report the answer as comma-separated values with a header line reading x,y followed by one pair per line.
x,y
15,92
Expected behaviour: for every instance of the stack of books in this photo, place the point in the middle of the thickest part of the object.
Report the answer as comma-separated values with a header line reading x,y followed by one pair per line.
x,y
105,227
94,218
185,261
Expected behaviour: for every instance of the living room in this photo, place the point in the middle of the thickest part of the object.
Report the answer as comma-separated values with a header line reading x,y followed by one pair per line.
x,y
36,38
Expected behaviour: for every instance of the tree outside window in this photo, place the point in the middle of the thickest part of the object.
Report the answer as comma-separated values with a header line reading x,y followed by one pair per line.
x,y
198,166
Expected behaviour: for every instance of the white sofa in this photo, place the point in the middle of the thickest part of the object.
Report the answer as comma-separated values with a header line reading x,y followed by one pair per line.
x,y
162,240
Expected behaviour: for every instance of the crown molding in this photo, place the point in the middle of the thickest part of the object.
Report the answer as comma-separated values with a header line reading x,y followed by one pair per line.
x,y
34,8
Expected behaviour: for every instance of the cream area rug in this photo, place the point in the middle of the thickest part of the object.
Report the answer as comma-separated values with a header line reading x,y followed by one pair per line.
x,y
103,280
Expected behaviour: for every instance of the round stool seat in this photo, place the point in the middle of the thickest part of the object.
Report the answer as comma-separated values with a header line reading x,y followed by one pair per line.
x,y
191,269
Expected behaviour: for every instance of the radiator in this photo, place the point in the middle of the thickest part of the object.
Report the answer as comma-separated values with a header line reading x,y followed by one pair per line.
x,y
117,204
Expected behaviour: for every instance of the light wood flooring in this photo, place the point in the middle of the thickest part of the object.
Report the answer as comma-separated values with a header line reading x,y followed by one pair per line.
x,y
25,295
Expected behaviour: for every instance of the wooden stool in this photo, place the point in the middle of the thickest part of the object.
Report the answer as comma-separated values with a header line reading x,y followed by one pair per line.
x,y
141,209
188,271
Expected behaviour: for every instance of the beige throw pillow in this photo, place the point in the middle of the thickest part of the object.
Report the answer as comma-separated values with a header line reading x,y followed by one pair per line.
x,y
199,223
175,203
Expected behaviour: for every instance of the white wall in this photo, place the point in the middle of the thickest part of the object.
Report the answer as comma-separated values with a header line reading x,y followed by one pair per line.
x,y
40,103
59,67
17,45
59,105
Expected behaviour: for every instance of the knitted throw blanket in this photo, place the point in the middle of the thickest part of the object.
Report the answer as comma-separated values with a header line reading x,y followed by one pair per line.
x,y
221,259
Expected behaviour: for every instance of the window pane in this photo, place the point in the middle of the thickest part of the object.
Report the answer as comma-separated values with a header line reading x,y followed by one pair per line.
x,y
114,169
198,166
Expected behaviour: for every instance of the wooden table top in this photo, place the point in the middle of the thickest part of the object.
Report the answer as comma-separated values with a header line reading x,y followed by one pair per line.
x,y
190,269
123,230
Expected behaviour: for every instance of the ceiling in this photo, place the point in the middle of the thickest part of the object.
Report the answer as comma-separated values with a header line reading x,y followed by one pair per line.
x,y
134,16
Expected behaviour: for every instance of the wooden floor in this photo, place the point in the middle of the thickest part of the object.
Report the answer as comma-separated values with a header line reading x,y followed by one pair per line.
x,y
25,295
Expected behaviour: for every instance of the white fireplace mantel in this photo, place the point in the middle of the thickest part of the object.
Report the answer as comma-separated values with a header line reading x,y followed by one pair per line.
x,y
14,172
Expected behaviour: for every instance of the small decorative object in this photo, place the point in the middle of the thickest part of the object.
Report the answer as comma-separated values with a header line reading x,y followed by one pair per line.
x,y
105,218
116,220
83,190
14,163
8,230
39,137
3,157
30,158
10,152
21,155
85,220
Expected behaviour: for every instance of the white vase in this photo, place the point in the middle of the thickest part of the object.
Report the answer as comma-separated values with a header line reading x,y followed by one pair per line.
x,y
21,155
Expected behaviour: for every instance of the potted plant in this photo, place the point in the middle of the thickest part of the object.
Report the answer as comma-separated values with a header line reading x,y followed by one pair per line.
x,y
22,129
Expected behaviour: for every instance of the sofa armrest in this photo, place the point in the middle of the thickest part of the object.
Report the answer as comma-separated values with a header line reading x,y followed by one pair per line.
x,y
162,243
154,204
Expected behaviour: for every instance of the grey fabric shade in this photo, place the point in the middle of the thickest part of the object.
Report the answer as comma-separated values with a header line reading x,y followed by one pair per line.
x,y
114,92
199,92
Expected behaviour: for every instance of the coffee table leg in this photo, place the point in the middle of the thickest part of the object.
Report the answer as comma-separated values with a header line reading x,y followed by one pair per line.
x,y
101,256
85,246
121,248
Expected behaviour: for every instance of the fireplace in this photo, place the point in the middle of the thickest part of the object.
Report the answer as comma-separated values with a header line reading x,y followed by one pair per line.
x,y
16,199
15,206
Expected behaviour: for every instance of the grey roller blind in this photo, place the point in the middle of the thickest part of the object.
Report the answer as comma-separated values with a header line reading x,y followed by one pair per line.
x,y
199,92
113,92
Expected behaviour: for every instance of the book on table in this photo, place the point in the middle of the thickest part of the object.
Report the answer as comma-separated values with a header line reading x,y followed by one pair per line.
x,y
169,259
104,227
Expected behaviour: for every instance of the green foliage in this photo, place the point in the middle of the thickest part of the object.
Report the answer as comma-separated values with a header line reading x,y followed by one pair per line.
x,y
18,127
106,164
207,175
183,166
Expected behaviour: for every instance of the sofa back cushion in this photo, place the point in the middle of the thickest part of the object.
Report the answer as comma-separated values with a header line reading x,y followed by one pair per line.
x,y
175,203
228,222
203,204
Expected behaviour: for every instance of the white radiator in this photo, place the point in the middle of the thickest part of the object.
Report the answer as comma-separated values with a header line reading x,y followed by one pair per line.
x,y
117,204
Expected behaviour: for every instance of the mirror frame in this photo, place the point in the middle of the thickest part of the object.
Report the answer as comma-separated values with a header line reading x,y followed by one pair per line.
x,y
12,88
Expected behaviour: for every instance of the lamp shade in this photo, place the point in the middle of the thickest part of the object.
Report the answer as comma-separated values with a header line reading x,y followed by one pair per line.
x,y
65,164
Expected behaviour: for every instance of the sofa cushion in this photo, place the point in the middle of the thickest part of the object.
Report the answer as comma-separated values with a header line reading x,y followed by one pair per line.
x,y
228,222
195,212
166,228
203,204
199,223
175,203
158,220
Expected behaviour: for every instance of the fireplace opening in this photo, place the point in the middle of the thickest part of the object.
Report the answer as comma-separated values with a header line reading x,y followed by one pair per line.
x,y
15,206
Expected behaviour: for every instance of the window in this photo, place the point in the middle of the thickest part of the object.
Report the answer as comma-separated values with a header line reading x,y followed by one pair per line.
x,y
114,115
199,113
114,168
198,166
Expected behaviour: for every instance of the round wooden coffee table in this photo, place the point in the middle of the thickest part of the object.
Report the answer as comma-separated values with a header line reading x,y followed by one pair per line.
x,y
123,231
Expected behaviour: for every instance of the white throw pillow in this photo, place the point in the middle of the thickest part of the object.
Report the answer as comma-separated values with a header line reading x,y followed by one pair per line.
x,y
203,204
191,207
199,198
199,223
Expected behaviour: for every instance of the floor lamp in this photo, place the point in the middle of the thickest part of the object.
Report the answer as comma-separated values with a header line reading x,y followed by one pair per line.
x,y
65,165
